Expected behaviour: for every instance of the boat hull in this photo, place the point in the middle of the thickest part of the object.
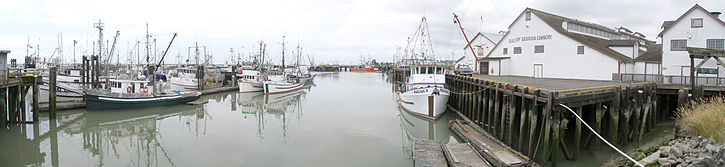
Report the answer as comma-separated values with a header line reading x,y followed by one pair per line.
x,y
98,102
251,87
281,87
428,103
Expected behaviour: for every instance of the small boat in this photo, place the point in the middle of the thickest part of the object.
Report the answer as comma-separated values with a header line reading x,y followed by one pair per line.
x,y
105,100
292,83
425,94
250,81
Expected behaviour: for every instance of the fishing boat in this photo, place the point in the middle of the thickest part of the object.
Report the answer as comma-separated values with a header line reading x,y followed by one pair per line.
x,y
250,81
291,83
184,78
425,93
127,94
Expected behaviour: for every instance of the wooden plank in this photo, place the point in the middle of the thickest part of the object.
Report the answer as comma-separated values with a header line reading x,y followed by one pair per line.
x,y
485,108
504,112
497,110
428,153
494,151
463,155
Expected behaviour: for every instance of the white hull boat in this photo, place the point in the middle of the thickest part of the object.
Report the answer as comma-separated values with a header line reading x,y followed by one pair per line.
x,y
427,102
271,87
253,86
425,94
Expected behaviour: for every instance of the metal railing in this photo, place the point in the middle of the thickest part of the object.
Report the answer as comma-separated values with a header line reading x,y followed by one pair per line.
x,y
668,79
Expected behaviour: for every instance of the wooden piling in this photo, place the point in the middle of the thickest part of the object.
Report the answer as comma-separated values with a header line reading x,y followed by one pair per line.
x,y
555,136
599,114
577,132
12,104
547,125
52,90
522,119
3,108
36,106
496,110
511,116
614,115
23,94
533,116
504,112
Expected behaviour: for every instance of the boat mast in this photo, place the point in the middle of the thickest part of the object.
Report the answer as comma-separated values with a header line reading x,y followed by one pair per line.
x,y
283,67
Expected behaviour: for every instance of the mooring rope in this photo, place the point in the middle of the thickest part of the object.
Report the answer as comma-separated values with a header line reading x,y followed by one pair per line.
x,y
474,92
600,137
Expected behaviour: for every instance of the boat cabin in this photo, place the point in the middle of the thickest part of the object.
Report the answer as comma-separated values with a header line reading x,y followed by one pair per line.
x,y
129,86
426,75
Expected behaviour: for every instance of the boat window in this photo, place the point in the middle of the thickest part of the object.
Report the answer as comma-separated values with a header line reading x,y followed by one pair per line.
x,y
439,70
431,70
423,70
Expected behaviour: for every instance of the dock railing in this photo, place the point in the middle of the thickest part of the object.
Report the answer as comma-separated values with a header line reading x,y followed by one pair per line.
x,y
668,79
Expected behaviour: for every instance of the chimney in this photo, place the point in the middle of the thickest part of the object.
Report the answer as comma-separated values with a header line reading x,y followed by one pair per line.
x,y
716,14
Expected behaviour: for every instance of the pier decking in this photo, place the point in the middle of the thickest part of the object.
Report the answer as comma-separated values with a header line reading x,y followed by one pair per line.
x,y
428,153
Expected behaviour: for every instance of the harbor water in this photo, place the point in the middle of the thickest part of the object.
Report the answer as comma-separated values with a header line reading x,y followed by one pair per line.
x,y
345,119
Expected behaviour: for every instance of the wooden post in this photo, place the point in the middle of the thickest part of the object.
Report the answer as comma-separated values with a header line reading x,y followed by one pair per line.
x,y
12,104
522,119
52,91
491,107
496,110
599,112
3,108
547,125
555,137
644,118
36,106
638,116
511,115
627,114
23,110
484,107
533,116
577,132
504,111
614,114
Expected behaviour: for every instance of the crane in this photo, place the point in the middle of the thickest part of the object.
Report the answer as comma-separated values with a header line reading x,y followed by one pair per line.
x,y
468,43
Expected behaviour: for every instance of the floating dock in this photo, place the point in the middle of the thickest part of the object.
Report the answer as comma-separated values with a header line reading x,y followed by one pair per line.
x,y
463,155
63,105
428,153
493,150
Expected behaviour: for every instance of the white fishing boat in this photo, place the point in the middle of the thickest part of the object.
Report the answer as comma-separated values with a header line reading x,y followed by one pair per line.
x,y
425,93
250,81
184,78
291,83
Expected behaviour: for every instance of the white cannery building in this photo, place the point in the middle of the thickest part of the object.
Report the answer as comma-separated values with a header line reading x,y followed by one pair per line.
x,y
540,44
482,44
699,28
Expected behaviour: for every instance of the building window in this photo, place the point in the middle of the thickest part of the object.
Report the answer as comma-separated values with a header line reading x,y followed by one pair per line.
x,y
580,50
539,49
678,45
517,50
715,44
696,23
505,50
528,15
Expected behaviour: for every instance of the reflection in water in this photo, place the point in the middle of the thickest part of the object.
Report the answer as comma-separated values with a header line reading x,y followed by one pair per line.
x,y
232,129
414,127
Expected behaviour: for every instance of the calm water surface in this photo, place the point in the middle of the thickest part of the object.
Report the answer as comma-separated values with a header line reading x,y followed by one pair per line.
x,y
345,119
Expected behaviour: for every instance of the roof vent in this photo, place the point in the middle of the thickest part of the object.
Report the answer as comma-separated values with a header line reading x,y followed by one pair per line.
x,y
716,14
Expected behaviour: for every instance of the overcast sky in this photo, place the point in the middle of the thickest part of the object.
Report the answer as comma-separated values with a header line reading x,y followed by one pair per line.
x,y
330,31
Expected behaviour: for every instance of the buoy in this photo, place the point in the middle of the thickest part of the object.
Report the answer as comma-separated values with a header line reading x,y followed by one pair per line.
x,y
128,89
145,89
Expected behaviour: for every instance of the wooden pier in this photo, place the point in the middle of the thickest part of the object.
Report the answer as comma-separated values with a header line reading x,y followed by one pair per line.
x,y
428,153
526,114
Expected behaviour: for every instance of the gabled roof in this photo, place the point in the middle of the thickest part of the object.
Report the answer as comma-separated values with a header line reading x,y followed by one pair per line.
x,y
653,54
687,13
667,24
493,37
599,44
